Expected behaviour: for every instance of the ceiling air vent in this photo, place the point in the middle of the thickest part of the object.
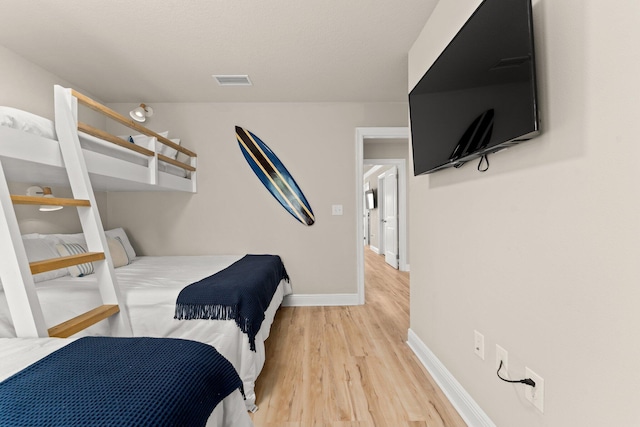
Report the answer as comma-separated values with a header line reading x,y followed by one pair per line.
x,y
233,80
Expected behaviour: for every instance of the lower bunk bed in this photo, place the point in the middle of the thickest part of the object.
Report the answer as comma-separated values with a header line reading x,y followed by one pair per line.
x,y
95,381
150,287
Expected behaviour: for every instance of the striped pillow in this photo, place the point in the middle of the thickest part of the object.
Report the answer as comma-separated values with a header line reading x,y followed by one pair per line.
x,y
67,249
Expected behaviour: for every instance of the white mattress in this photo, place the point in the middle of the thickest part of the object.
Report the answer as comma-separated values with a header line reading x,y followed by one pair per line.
x,y
18,353
150,286
36,125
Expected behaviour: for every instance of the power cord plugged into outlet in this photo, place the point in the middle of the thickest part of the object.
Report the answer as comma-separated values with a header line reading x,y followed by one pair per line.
x,y
527,381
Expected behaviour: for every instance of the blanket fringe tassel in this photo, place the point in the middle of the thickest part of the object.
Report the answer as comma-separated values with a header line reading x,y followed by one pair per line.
x,y
216,312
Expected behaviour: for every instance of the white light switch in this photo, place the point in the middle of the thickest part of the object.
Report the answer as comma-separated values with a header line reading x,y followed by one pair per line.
x,y
336,209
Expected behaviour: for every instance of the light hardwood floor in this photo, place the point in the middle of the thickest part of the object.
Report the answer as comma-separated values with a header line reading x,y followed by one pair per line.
x,y
350,366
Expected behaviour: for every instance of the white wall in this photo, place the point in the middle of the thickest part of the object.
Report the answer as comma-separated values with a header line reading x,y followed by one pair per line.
x,y
28,87
540,253
233,212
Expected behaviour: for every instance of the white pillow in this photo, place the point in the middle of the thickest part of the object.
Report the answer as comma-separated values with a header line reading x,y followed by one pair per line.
x,y
67,249
79,239
27,122
118,254
143,141
168,151
68,238
40,249
160,148
119,232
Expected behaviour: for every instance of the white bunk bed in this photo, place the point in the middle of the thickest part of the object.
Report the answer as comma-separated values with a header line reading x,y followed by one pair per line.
x,y
36,155
32,157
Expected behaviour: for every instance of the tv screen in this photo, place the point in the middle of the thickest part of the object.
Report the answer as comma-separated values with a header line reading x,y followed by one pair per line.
x,y
479,96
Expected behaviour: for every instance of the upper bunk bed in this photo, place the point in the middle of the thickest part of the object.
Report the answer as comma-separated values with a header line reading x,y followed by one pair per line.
x,y
30,151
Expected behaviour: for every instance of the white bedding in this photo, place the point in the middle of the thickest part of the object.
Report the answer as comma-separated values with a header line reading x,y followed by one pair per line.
x,y
150,286
18,353
41,126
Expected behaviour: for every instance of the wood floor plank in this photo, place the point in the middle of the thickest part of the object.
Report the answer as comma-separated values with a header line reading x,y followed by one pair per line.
x,y
350,366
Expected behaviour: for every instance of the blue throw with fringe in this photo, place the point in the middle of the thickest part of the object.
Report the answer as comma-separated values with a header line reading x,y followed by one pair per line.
x,y
104,381
241,292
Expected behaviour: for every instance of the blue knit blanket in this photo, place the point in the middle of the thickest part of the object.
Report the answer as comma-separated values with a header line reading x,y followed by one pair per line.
x,y
119,382
241,292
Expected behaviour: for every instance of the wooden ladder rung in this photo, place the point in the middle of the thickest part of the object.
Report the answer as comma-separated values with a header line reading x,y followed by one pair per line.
x,y
83,321
38,200
65,261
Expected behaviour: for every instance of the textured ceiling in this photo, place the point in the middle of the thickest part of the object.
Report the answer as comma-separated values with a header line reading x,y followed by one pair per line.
x,y
167,50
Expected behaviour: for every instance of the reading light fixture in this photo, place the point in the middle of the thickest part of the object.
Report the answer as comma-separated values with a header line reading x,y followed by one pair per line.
x,y
43,192
140,114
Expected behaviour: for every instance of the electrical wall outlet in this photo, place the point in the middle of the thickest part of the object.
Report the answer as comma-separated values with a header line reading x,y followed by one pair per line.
x,y
478,344
535,395
502,356
336,209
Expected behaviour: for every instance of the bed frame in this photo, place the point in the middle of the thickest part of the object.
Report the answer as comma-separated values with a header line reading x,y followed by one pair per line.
x,y
29,158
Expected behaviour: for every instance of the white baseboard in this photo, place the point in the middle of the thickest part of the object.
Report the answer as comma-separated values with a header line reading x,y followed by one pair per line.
x,y
468,409
319,300
374,249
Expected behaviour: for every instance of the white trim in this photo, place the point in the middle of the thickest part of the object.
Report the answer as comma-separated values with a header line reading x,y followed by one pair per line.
x,y
371,171
408,268
363,133
468,409
374,249
320,300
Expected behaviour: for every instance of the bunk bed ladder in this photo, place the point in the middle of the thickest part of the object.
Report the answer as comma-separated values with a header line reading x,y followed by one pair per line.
x,y
15,269
66,108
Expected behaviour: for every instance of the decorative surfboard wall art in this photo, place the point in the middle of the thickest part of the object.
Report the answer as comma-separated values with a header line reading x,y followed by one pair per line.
x,y
272,173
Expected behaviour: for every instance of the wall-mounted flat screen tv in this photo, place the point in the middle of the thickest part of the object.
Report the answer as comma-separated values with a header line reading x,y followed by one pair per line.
x,y
479,96
370,197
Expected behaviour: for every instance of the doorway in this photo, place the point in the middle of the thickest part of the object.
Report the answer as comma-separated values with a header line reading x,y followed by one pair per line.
x,y
380,133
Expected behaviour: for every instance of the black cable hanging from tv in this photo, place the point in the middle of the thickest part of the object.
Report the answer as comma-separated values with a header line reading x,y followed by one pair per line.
x,y
483,159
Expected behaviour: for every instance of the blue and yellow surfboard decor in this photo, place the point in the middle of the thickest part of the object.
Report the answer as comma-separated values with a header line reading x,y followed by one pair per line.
x,y
272,173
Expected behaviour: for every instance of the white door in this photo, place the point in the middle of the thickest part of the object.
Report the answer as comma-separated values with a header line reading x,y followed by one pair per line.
x,y
391,217
381,214
365,215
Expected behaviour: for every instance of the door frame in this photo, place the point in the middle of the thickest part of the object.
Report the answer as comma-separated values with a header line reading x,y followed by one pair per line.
x,y
363,133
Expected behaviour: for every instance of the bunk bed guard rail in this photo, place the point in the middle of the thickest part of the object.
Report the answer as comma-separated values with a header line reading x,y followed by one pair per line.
x,y
74,97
